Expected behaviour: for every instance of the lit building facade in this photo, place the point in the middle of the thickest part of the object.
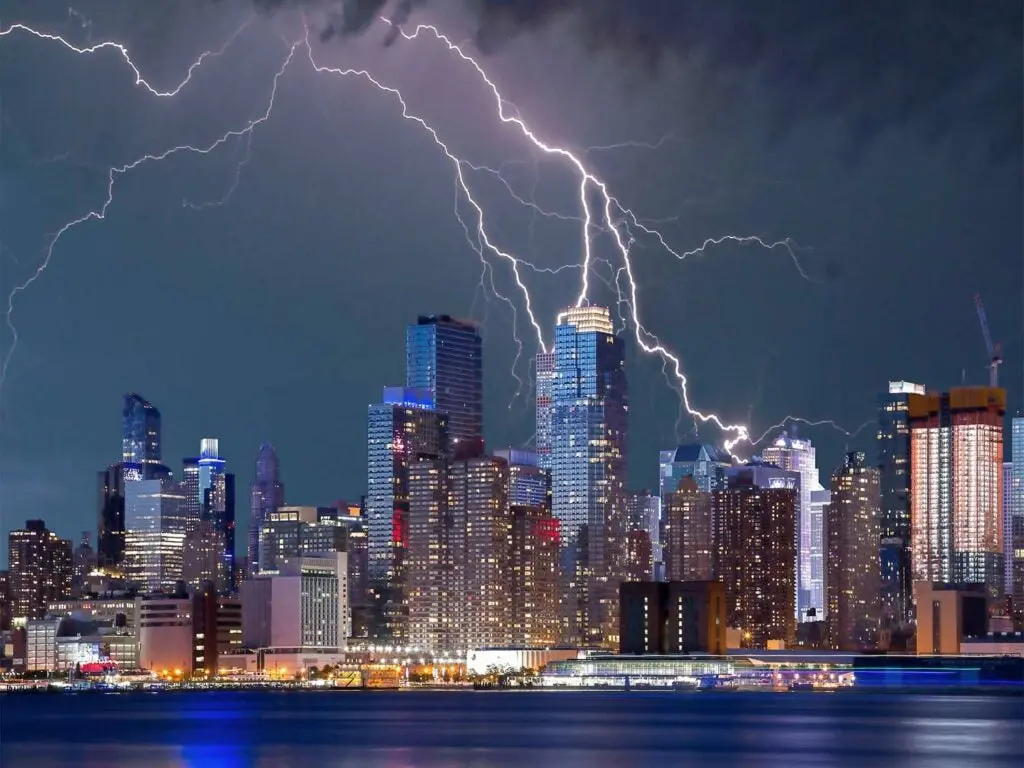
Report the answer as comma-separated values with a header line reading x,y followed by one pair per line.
x,y
852,571
444,356
589,423
533,575
689,533
140,433
40,569
643,529
435,561
755,520
797,455
544,377
265,495
400,431
956,457
529,484
155,533
893,461
1016,514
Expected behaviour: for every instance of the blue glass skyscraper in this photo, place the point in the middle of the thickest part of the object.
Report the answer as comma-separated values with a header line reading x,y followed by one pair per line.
x,y
266,495
444,356
1015,546
140,433
588,470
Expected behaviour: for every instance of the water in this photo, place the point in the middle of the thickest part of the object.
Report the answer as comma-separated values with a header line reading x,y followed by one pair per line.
x,y
376,729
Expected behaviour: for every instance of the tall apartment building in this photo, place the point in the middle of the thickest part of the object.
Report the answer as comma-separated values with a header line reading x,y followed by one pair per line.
x,y
893,461
755,520
40,568
1015,546
689,541
852,570
533,577
956,457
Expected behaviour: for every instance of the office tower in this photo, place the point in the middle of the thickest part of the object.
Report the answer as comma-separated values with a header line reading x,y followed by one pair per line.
x,y
589,422
529,484
265,495
84,558
658,617
1016,546
110,518
400,431
154,533
643,523
852,570
755,519
544,376
210,491
1006,517
795,455
445,357
893,461
435,561
534,577
689,542
956,458
40,568
478,505
140,433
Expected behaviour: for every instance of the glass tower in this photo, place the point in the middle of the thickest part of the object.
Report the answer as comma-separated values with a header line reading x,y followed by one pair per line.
x,y
589,420
1016,502
445,357
893,461
140,433
265,496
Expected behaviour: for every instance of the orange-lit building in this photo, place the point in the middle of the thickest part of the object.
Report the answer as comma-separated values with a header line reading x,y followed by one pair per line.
x,y
956,457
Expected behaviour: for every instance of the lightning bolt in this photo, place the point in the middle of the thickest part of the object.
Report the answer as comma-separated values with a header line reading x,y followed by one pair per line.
x,y
615,217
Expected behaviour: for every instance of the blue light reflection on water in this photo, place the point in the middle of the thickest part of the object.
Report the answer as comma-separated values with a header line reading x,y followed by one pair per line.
x,y
500,730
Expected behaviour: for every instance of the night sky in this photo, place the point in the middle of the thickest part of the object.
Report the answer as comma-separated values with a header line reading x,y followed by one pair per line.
x,y
885,141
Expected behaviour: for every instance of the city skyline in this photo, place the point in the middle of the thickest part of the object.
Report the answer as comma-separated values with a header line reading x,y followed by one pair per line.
x,y
848,192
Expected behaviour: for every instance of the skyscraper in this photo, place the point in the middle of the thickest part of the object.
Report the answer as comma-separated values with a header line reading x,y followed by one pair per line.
x,y
545,381
140,434
795,455
216,496
40,569
110,518
529,484
589,422
154,531
893,463
444,356
435,589
1016,547
643,528
689,541
956,457
265,495
852,571
400,431
533,577
755,558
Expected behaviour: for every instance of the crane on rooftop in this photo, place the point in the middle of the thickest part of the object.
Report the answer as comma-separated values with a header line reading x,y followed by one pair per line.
x,y
995,351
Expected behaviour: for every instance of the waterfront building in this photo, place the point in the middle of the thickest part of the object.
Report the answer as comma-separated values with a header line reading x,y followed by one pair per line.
x,y
755,519
589,423
658,617
796,455
40,569
401,430
265,495
947,613
444,356
184,634
689,540
893,461
956,455
852,571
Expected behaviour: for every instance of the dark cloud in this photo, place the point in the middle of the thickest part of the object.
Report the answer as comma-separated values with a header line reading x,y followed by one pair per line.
x,y
936,65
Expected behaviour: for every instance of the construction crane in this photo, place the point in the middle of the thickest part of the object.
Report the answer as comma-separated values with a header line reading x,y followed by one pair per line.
x,y
995,351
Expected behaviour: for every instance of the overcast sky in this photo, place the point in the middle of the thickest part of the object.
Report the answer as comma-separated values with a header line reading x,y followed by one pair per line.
x,y
883,138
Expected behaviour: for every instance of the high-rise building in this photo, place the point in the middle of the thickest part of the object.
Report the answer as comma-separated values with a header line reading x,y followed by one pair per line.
x,y
545,380
852,570
444,356
40,568
265,495
5,601
893,461
589,423
435,562
84,562
643,529
796,455
689,541
215,500
110,518
533,577
140,433
400,431
755,551
1016,546
671,617
956,460
154,533
529,484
